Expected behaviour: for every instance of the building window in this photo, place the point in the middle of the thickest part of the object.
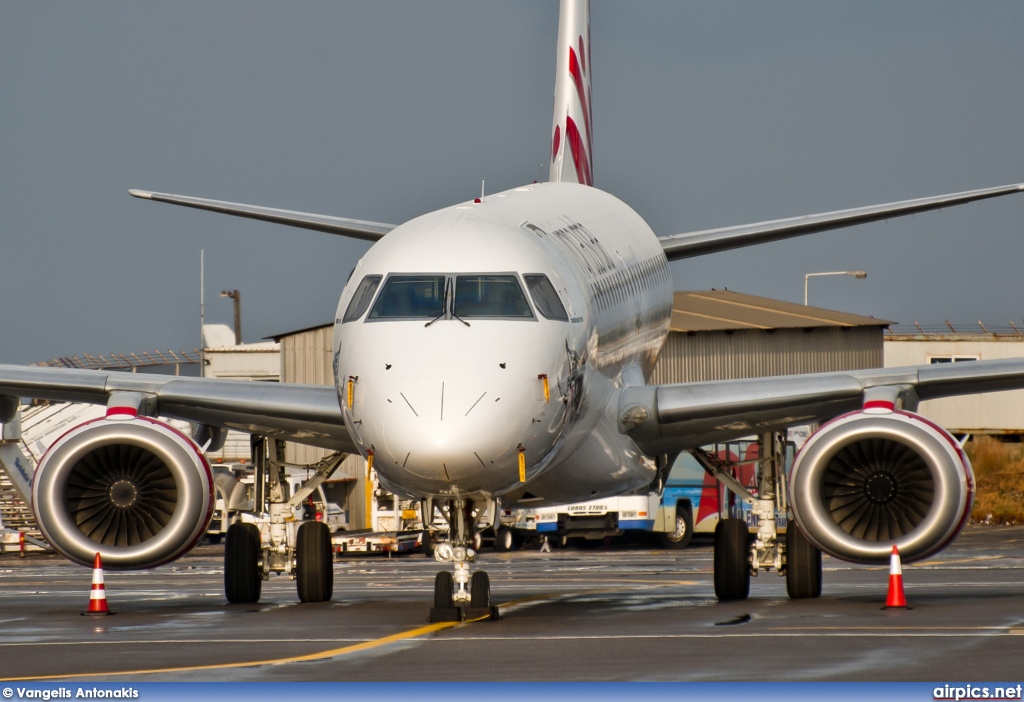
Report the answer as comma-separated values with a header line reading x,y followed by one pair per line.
x,y
953,358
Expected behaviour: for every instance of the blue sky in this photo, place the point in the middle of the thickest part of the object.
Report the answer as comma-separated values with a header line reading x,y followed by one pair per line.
x,y
706,114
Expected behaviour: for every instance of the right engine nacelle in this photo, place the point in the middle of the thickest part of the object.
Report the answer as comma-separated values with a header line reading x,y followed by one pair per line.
x,y
870,480
133,489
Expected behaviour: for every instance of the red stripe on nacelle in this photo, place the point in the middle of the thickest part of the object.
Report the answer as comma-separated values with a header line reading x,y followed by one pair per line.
x,y
130,411
880,404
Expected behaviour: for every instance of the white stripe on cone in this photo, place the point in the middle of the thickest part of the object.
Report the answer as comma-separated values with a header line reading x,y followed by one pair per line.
x,y
895,599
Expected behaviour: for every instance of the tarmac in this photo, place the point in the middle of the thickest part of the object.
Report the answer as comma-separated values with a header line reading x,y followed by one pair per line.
x,y
626,612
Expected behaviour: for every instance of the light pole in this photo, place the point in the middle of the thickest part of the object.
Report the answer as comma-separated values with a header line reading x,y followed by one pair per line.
x,y
859,275
236,297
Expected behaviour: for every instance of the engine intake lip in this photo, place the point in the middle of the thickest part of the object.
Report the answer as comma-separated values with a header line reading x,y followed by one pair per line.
x,y
136,491
864,483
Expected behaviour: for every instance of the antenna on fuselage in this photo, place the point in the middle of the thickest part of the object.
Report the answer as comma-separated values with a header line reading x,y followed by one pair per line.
x,y
482,189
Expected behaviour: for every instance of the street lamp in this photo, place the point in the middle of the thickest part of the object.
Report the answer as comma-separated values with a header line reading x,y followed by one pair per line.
x,y
859,275
236,297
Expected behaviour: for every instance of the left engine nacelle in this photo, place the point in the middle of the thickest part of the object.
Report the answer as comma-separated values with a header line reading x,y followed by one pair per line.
x,y
872,479
133,489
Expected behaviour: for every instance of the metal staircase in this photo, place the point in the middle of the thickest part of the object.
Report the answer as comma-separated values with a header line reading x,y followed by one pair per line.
x,y
14,512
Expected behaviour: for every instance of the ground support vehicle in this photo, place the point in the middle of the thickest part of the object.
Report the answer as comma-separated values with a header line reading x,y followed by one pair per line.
x,y
613,516
599,519
367,542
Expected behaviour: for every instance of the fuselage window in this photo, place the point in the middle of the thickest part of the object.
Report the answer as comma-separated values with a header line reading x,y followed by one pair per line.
x,y
410,296
546,298
490,296
362,297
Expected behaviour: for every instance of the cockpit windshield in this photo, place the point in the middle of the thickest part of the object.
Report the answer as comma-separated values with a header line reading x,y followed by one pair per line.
x,y
411,297
490,296
448,296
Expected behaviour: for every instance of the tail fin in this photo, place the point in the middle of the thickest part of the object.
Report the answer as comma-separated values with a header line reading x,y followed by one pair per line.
x,y
572,149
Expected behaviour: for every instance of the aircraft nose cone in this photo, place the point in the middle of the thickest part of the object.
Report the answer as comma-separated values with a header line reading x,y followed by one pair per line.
x,y
447,407
447,431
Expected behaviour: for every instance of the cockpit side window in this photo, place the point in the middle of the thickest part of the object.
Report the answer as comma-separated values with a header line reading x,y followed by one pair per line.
x,y
362,298
490,296
410,296
545,297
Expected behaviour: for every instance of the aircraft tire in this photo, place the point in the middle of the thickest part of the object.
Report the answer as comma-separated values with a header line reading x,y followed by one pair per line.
x,y
243,580
480,591
732,555
505,540
684,530
444,590
314,569
427,544
803,565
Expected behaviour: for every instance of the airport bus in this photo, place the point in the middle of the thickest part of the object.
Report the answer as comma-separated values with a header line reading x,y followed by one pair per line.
x,y
689,503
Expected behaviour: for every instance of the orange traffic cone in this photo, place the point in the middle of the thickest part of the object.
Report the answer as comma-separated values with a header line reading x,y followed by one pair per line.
x,y
896,598
98,595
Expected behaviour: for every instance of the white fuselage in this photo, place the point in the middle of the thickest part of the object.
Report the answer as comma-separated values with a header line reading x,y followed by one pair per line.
x,y
446,386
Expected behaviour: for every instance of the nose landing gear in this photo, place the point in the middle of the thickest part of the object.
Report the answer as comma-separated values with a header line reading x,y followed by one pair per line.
x,y
460,595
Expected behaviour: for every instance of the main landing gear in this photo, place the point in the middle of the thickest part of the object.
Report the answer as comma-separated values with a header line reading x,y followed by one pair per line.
x,y
460,595
741,552
274,542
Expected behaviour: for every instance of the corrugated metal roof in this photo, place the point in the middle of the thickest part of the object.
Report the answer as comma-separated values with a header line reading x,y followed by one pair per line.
x,y
715,310
278,337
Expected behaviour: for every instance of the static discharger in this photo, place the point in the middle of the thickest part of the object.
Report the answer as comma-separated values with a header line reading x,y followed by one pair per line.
x,y
543,377
350,390
522,464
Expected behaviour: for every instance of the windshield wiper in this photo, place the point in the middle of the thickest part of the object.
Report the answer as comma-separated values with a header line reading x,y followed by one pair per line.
x,y
449,305
444,304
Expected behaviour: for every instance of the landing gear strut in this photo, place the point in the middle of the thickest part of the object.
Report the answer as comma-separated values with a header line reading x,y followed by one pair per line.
x,y
271,543
740,552
460,595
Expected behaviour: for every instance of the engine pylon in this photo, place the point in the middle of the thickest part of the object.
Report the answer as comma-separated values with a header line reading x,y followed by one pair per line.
x,y
896,599
98,594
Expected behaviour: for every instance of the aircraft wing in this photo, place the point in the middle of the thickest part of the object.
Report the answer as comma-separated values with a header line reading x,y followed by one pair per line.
x,y
672,418
707,241
308,414
355,228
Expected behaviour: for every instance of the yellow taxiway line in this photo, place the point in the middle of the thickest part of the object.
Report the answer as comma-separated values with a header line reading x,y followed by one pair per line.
x,y
320,655
344,650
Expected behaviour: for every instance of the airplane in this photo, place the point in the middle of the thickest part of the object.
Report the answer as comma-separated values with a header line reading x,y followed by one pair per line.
x,y
500,349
